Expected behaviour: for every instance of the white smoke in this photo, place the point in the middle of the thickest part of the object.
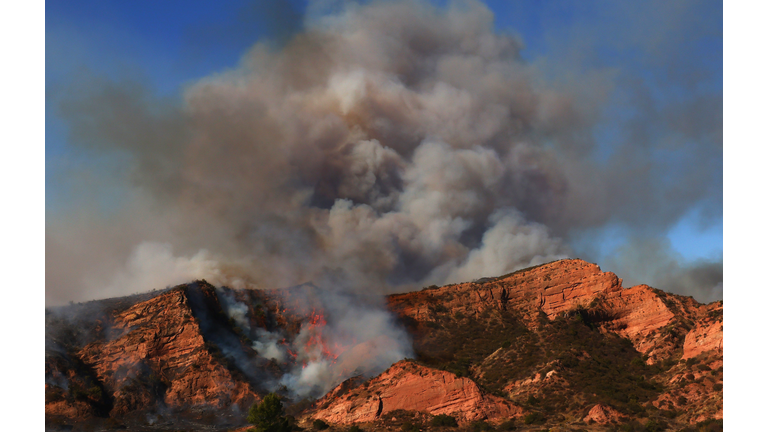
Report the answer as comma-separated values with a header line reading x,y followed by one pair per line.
x,y
342,336
153,265
268,345
235,309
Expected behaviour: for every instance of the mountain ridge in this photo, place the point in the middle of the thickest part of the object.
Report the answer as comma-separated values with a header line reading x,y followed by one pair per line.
x,y
530,343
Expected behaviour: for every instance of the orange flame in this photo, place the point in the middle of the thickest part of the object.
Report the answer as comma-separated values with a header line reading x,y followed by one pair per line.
x,y
317,340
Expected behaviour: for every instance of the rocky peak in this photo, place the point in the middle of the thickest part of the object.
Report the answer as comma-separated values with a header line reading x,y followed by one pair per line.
x,y
160,351
549,288
154,351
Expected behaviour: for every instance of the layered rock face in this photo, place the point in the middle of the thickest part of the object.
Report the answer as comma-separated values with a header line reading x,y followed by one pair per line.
x,y
143,355
551,288
706,335
161,338
603,414
409,386
637,313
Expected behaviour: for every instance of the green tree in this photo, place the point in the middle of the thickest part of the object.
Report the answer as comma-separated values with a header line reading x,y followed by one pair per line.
x,y
268,416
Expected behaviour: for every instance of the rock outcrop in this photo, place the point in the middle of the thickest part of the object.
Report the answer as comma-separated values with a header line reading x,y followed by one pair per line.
x,y
408,386
603,414
550,288
638,313
69,409
694,388
143,354
706,335
159,348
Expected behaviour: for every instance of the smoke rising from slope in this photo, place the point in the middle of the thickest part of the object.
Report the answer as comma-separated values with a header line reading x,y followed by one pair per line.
x,y
393,145
358,338
342,334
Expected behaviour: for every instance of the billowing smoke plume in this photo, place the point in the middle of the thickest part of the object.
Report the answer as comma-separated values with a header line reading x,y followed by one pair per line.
x,y
391,145
342,334
352,336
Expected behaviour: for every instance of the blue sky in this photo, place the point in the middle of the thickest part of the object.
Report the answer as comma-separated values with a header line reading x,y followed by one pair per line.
x,y
663,56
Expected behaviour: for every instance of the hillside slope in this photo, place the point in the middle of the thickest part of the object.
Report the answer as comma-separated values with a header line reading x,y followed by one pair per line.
x,y
564,337
562,345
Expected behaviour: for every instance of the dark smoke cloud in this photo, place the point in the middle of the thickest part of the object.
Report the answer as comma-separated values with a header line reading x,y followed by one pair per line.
x,y
654,262
396,144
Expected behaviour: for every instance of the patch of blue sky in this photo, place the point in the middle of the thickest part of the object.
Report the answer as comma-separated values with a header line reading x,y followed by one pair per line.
x,y
695,241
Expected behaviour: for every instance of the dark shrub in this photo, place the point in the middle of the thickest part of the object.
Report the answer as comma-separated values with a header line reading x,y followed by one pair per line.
x,y
438,308
355,428
319,425
534,418
481,426
669,413
293,424
710,425
444,420
635,408
631,426
268,416
409,427
653,426
507,426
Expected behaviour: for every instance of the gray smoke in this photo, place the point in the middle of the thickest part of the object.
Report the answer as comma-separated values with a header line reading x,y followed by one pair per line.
x,y
653,262
268,345
396,144
235,309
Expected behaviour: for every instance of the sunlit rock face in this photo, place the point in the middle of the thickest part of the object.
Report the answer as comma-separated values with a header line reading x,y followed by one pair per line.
x,y
408,386
492,349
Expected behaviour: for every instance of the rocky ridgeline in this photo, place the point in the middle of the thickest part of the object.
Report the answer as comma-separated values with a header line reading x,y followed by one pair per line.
x,y
530,345
162,337
639,313
155,352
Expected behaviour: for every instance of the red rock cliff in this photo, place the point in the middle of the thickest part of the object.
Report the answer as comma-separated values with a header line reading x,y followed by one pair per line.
x,y
161,337
639,313
408,386
550,288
